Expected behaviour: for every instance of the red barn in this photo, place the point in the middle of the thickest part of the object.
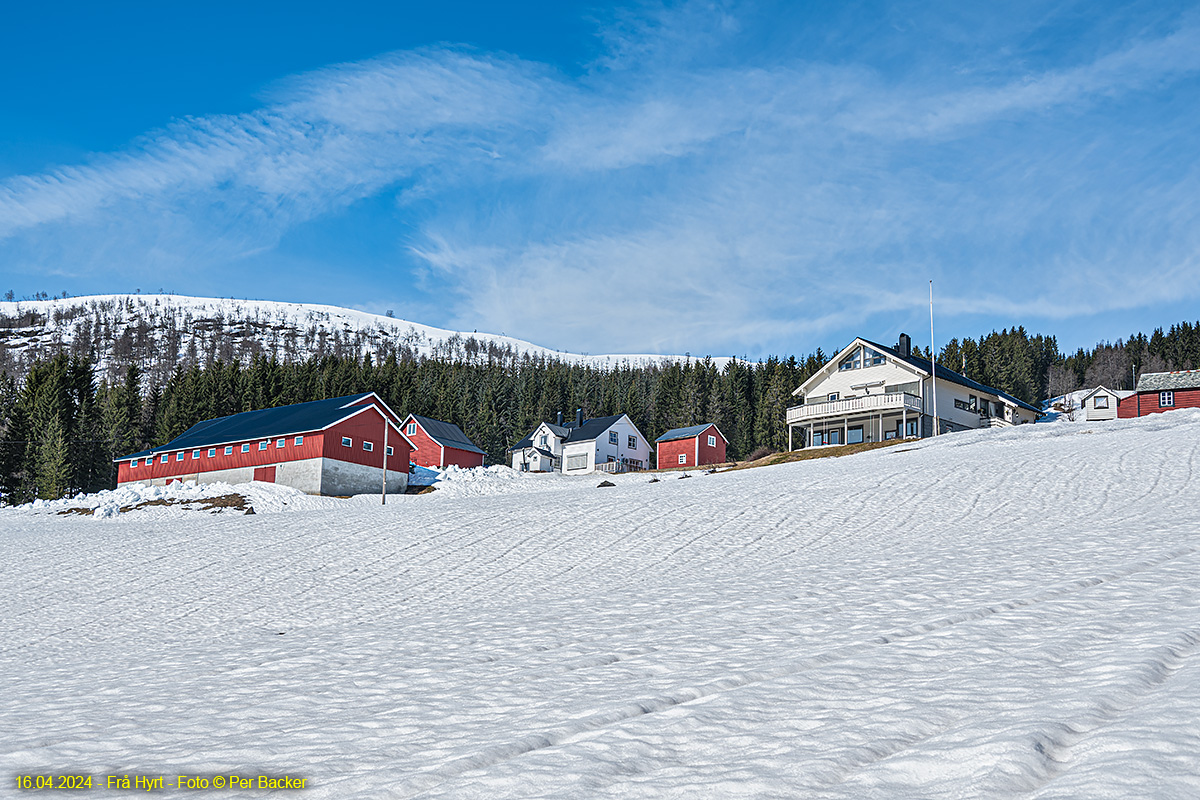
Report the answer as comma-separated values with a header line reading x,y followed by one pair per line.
x,y
1162,391
439,444
330,447
691,447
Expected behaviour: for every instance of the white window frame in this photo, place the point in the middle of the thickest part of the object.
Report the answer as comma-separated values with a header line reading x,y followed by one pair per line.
x,y
411,430
1100,401
228,449
712,441
1166,399
299,440
613,437
179,456
245,448
683,458
368,446
262,446
195,455
833,397
347,441
390,450
165,459
279,443
579,460
212,452
632,443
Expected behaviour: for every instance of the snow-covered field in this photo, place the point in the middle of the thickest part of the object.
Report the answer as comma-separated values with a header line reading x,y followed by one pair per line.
x,y
1011,613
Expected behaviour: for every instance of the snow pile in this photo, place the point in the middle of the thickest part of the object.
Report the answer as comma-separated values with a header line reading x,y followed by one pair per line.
x,y
1003,613
178,499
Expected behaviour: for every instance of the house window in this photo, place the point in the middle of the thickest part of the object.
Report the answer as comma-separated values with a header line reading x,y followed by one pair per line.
x,y
411,430
389,450
299,440
612,437
347,442
973,403
1166,399
910,428
212,452
245,448
712,441
229,450
682,458
543,440
854,435
368,446
279,443
852,361
1100,401
833,437
165,458
833,396
872,358
263,445
195,454
961,405
577,461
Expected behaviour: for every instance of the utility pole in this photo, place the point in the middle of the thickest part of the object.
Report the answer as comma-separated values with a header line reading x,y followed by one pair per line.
x,y
933,363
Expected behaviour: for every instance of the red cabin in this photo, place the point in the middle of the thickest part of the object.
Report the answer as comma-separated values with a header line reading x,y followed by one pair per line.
x,y
330,447
439,444
691,447
1162,391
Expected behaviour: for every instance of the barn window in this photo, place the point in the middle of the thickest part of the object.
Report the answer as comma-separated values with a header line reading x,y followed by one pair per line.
x,y
245,448
1166,399
279,443
165,458
299,441
195,454
263,445
212,452
229,450
612,437
682,458
632,443
179,456
412,429
389,450
347,441
712,441
368,446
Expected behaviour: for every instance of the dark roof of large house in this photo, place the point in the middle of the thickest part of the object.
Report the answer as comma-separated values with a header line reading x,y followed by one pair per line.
x,y
950,375
569,433
1169,381
446,434
265,423
685,433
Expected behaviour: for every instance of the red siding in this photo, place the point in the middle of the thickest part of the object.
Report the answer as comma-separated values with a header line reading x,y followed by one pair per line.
x,y
310,448
462,458
696,446
367,426
1129,407
429,452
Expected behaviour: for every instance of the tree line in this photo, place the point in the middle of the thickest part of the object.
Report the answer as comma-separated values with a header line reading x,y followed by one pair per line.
x,y
61,427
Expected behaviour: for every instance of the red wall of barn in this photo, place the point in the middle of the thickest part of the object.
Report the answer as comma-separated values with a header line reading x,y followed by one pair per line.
x,y
1184,398
668,452
369,400
310,448
367,426
429,453
463,458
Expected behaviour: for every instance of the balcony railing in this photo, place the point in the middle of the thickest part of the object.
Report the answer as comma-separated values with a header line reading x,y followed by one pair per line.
x,y
868,404
618,466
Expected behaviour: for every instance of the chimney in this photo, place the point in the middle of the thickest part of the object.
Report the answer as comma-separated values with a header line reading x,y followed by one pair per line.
x,y
560,419
579,418
905,345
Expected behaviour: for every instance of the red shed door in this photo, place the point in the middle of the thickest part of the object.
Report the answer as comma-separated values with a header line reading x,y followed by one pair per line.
x,y
264,474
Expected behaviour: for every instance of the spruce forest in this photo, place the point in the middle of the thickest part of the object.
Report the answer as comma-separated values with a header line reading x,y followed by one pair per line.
x,y
62,426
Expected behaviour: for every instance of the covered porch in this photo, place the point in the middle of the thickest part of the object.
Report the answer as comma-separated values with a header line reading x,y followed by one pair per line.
x,y
872,418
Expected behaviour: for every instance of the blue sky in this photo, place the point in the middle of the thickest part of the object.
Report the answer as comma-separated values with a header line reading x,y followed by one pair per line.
x,y
724,178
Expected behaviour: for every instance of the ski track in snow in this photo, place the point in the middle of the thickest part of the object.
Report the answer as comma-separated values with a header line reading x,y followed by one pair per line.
x,y
1010,613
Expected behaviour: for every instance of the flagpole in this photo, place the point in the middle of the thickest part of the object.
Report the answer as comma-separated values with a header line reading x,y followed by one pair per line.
x,y
933,362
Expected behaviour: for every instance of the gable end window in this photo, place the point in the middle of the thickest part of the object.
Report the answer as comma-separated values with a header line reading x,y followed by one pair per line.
x,y
632,445
1100,401
411,430
712,441
612,437
852,361
872,358
544,437
1166,399
368,446
347,441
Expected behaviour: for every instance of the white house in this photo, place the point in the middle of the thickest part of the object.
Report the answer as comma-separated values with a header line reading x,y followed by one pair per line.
x,y
870,393
604,444
1101,403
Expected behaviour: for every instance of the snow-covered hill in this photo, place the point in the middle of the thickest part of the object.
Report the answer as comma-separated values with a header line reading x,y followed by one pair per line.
x,y
166,329
1000,613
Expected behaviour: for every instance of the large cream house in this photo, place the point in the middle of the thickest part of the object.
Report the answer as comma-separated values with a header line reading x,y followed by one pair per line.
x,y
871,393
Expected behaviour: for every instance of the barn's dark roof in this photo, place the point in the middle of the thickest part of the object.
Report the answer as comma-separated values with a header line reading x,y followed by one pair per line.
x,y
950,375
264,423
685,433
446,434
1169,381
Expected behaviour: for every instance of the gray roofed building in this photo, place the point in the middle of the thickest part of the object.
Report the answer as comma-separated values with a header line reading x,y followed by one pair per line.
x,y
1169,381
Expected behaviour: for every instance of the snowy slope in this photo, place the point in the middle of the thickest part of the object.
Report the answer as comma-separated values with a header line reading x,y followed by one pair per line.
x,y
1008,613
178,325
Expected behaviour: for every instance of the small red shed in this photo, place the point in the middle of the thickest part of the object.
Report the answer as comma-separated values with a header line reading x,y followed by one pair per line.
x,y
1162,391
438,444
694,446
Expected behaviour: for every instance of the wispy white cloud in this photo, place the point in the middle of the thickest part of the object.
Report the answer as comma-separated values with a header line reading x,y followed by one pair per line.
x,y
673,197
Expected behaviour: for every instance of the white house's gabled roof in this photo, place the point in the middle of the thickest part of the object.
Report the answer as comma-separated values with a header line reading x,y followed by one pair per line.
x,y
1120,394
